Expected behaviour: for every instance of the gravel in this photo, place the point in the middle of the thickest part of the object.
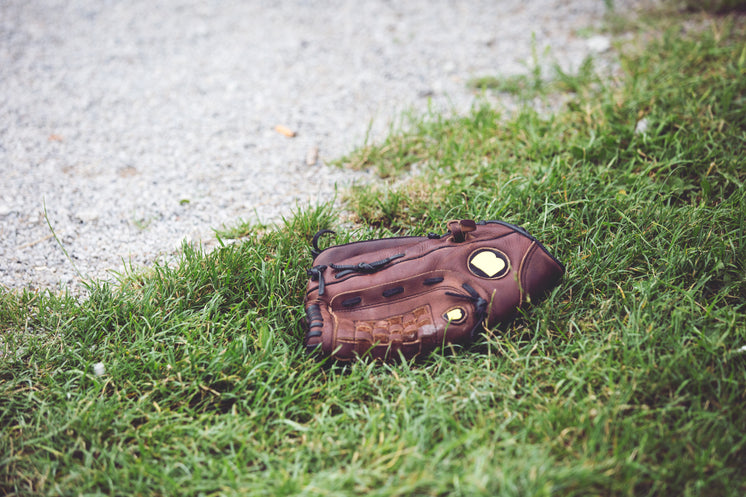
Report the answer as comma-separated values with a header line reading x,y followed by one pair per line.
x,y
132,126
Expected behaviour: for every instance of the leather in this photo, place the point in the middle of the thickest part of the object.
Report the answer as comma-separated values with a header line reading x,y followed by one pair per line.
x,y
411,295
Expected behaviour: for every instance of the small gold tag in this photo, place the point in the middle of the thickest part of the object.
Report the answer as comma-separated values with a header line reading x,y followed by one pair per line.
x,y
455,315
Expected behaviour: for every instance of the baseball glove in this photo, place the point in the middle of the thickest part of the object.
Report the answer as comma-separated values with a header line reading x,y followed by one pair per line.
x,y
410,295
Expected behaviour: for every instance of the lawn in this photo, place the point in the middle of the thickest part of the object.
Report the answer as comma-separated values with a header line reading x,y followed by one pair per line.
x,y
629,379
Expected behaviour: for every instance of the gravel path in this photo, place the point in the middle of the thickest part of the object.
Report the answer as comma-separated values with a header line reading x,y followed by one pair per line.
x,y
139,124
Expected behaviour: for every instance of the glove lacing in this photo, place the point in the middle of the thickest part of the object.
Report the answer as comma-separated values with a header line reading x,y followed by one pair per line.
x,y
316,273
363,267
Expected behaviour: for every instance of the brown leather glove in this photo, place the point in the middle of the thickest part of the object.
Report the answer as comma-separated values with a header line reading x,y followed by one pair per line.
x,y
411,295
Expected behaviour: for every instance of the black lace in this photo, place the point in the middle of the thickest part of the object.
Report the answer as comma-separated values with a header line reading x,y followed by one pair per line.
x,y
363,267
316,251
317,274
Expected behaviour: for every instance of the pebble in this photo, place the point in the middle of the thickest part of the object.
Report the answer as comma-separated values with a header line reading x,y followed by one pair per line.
x,y
599,43
87,215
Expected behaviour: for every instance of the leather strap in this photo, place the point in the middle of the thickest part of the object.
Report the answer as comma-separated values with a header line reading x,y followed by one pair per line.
x,y
461,229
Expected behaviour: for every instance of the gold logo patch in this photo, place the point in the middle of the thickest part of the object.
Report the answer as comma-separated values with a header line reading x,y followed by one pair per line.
x,y
488,263
455,315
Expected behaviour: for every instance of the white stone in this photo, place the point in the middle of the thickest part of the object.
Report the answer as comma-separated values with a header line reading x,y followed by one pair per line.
x,y
88,215
598,43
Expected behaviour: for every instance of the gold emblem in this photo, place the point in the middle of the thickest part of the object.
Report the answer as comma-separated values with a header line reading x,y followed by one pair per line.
x,y
488,263
455,315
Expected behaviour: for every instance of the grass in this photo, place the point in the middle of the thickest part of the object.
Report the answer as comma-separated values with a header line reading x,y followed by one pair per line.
x,y
716,6
630,379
